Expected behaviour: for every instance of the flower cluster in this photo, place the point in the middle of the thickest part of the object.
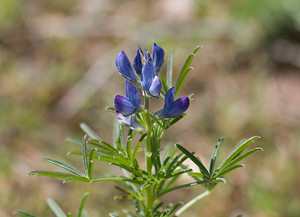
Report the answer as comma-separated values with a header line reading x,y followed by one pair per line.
x,y
143,74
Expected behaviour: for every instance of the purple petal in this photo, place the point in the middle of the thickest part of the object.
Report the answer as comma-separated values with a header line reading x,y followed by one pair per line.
x,y
169,98
147,55
125,68
155,87
137,62
123,105
148,74
178,107
132,94
158,56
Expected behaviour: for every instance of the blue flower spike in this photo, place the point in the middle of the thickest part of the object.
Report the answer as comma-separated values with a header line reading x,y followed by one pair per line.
x,y
150,81
173,109
126,69
158,57
130,103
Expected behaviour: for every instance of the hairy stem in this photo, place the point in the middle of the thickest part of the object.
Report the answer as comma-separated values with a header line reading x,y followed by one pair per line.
x,y
148,154
191,203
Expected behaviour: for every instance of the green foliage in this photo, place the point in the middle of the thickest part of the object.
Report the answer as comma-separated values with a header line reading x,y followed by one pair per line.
x,y
145,186
210,177
57,210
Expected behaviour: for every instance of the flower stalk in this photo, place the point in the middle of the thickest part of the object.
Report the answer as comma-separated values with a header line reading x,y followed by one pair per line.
x,y
163,165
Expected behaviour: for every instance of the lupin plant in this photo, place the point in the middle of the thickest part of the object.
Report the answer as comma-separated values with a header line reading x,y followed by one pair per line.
x,y
139,129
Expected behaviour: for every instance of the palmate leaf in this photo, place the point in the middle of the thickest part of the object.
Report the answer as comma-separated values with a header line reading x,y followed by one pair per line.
x,y
185,70
55,208
241,157
237,151
194,159
23,214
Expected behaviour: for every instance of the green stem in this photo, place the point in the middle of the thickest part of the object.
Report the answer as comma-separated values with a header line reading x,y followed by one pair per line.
x,y
148,154
191,203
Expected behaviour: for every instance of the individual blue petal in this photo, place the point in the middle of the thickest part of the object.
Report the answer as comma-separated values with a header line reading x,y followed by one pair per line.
x,y
137,62
155,87
169,98
147,56
132,94
125,68
177,108
148,74
158,56
129,121
124,105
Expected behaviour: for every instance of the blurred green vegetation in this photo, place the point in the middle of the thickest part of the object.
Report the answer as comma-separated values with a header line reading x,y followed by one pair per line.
x,y
57,70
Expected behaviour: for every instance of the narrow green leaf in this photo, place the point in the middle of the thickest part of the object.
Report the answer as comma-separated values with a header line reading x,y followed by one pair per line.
x,y
84,156
214,156
104,146
64,166
176,173
179,187
91,169
76,179
163,81
74,141
194,159
174,208
23,214
114,179
175,120
113,160
69,214
185,70
130,137
181,81
238,150
74,153
225,171
51,174
82,201
136,149
170,168
200,175
55,208
89,131
170,70
241,157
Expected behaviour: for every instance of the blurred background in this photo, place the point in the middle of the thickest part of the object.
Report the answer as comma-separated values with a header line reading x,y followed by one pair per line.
x,y
57,69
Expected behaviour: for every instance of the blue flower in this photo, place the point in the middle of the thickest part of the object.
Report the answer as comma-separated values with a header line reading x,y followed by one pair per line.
x,y
150,81
126,69
128,121
157,58
130,103
173,109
